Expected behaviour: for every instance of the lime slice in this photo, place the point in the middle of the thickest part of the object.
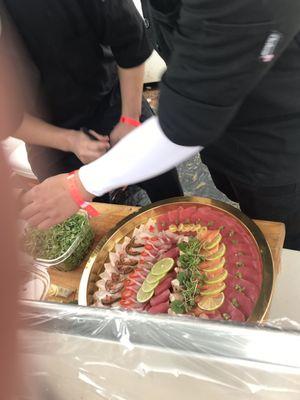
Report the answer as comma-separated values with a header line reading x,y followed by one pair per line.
x,y
149,287
210,245
217,254
218,279
162,266
211,303
215,268
215,289
154,278
142,296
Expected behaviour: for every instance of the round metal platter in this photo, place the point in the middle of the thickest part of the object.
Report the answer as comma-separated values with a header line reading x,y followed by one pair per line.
x,y
125,227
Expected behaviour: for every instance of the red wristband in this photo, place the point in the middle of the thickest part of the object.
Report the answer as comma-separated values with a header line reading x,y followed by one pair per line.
x,y
76,196
130,121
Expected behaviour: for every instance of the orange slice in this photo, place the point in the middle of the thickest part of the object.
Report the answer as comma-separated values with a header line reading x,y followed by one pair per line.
x,y
211,303
212,290
218,279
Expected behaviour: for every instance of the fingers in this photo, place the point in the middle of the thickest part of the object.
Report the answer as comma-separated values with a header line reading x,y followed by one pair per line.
x,y
37,219
98,146
98,136
48,223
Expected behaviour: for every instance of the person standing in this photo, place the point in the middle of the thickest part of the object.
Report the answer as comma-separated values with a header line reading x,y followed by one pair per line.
x,y
90,57
231,90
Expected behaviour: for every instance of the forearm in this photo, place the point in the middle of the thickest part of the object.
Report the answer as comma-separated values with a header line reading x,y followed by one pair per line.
x,y
131,86
144,153
36,131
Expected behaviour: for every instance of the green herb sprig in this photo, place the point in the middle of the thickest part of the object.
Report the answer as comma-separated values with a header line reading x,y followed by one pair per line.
x,y
54,242
190,278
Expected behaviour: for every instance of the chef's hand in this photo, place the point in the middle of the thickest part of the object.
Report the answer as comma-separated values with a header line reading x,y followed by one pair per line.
x,y
87,149
119,131
50,203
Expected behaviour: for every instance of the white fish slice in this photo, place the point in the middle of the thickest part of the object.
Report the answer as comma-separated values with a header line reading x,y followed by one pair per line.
x,y
101,285
100,294
118,247
113,258
109,268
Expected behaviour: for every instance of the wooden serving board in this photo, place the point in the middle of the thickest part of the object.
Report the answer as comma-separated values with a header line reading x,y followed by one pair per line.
x,y
111,214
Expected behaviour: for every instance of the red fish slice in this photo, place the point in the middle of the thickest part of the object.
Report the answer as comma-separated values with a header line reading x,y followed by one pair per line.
x,y
185,215
240,301
160,298
244,286
245,272
160,308
173,217
172,253
165,284
162,222
234,313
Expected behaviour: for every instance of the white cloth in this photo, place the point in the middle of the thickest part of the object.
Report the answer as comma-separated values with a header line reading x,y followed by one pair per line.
x,y
144,153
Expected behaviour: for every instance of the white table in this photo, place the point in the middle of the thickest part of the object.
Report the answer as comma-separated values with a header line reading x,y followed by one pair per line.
x,y
286,300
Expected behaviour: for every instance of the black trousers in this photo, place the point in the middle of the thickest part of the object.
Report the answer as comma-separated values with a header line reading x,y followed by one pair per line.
x,y
281,204
46,162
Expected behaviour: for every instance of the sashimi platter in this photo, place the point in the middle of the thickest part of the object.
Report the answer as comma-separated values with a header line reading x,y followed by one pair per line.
x,y
185,257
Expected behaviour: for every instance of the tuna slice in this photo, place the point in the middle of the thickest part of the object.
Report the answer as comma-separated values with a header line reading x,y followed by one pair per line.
x,y
162,222
232,312
240,301
244,286
173,217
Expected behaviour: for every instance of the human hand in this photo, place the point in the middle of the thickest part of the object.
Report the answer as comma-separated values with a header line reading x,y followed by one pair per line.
x,y
119,131
87,149
50,203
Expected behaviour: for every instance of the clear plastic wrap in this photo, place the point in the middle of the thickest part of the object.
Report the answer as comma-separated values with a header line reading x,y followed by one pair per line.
x,y
86,353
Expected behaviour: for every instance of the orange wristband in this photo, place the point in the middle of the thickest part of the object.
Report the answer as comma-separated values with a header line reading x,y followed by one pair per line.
x,y
130,121
76,196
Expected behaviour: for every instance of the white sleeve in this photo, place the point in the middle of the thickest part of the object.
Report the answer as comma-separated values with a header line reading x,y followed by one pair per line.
x,y
144,153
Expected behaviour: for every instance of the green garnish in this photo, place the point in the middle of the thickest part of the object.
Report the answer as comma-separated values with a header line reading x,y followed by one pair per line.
x,y
191,278
226,316
178,307
235,302
54,242
239,288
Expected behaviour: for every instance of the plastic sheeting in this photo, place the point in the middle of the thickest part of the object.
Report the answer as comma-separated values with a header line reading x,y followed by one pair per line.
x,y
84,353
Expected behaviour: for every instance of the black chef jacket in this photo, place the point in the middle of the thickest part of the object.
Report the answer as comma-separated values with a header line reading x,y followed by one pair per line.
x,y
75,45
233,83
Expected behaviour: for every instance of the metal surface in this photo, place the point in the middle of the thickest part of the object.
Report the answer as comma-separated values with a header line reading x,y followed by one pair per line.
x,y
127,225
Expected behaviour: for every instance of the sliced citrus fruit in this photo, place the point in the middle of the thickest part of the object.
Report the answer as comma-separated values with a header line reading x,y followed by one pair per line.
x,y
142,296
213,266
208,245
220,253
211,303
148,287
201,232
218,279
154,278
162,266
213,289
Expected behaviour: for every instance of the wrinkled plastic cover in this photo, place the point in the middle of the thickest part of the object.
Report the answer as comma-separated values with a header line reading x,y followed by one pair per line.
x,y
85,353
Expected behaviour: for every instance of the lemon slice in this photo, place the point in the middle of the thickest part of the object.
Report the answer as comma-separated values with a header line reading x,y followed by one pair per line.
x,y
216,268
154,278
142,296
213,243
211,303
148,287
218,254
218,288
162,266
218,279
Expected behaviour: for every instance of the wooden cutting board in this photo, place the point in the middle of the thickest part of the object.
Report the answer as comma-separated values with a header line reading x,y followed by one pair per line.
x,y
112,214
